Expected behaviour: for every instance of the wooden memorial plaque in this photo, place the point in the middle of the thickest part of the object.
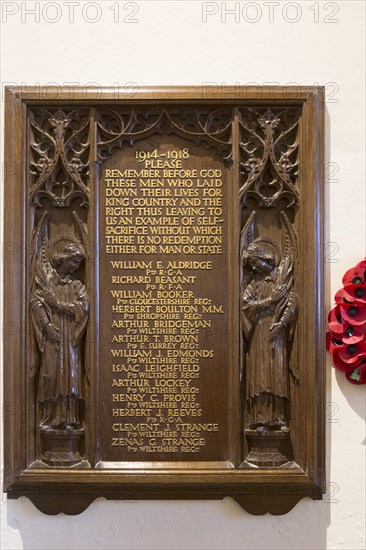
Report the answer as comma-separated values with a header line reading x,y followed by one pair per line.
x,y
164,296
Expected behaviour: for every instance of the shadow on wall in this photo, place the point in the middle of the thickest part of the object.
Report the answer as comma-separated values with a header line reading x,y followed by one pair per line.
x,y
167,524
355,396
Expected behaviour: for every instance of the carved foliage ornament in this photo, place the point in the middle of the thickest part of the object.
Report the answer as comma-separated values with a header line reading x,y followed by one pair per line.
x,y
269,156
59,156
204,126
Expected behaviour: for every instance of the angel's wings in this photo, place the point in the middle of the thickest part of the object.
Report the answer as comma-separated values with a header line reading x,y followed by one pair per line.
x,y
40,265
83,231
289,254
246,237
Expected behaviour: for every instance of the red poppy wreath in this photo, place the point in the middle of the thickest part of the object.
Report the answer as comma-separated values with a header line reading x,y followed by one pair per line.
x,y
346,338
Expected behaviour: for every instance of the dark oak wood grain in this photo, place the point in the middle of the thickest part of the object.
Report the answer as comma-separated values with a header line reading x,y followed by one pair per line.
x,y
264,386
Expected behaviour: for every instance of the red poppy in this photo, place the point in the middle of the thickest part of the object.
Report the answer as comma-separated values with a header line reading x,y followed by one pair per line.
x,y
352,352
354,334
356,294
334,342
350,335
356,275
353,314
341,365
336,323
346,338
343,297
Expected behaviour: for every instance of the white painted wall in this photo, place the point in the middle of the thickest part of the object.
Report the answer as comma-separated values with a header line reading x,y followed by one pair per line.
x,y
171,45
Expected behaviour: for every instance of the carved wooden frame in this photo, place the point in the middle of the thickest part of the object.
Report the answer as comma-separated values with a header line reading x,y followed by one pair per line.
x,y
72,490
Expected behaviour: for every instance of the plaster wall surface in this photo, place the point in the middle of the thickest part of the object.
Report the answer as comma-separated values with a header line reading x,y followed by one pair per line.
x,y
193,42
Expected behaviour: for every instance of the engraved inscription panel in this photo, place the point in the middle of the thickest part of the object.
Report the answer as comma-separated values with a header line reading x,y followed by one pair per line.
x,y
164,307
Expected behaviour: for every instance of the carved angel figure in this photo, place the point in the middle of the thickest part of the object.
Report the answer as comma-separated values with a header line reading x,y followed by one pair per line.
x,y
269,308
60,309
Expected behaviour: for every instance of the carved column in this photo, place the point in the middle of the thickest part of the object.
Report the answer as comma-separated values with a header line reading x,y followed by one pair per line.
x,y
59,301
268,200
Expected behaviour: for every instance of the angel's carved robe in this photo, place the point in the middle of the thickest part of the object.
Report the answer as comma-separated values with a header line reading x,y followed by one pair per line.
x,y
266,363
61,388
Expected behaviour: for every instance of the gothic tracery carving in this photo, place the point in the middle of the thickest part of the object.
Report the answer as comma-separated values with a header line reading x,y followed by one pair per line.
x,y
59,156
268,156
204,126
